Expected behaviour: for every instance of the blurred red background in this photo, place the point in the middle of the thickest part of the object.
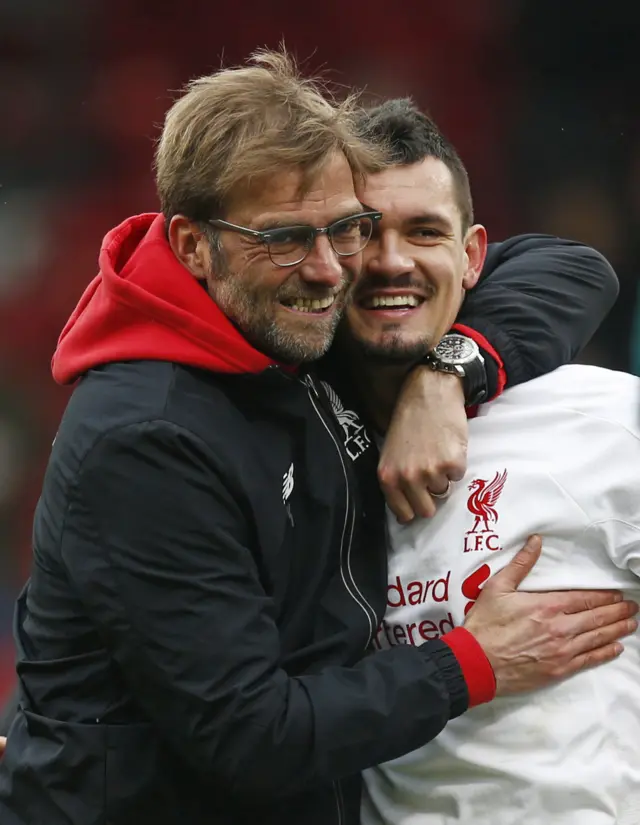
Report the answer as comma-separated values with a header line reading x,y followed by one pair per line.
x,y
539,98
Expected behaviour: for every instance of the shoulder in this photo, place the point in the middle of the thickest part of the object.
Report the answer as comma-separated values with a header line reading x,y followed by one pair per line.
x,y
580,428
124,393
598,395
141,404
536,243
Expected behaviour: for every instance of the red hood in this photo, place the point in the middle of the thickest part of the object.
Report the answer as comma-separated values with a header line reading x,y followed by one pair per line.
x,y
145,305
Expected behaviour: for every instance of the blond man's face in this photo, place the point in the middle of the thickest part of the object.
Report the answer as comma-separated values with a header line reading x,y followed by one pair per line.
x,y
290,313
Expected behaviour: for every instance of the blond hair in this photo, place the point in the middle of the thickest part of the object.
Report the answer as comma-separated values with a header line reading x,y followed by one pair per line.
x,y
231,129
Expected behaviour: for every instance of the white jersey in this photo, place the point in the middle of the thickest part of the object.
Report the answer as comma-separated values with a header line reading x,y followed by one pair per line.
x,y
558,456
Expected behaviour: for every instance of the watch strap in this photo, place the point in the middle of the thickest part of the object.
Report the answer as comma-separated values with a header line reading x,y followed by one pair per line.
x,y
474,382
473,375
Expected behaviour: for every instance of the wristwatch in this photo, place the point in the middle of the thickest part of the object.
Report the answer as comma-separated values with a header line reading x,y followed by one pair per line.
x,y
458,355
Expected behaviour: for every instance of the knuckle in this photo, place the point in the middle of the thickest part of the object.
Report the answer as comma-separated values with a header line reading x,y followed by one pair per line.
x,y
559,633
598,638
601,618
543,614
555,633
553,658
520,561
449,470
387,476
558,671
551,610
412,476
571,603
610,634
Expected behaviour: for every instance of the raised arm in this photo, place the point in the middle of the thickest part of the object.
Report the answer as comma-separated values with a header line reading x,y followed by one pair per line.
x,y
538,302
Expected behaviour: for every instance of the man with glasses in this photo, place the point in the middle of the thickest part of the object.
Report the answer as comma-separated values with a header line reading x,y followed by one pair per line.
x,y
209,547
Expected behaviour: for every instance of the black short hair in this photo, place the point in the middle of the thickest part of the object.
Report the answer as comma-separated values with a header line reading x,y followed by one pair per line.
x,y
409,136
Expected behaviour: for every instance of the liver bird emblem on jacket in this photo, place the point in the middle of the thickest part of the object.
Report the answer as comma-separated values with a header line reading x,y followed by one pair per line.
x,y
483,499
347,419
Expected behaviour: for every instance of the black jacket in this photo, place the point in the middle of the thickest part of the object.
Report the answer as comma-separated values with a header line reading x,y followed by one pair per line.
x,y
243,536
209,568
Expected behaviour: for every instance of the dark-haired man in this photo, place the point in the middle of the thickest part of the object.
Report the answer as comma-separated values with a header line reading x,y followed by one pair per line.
x,y
527,287
558,456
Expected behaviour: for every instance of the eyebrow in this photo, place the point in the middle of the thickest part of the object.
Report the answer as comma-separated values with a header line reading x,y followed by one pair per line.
x,y
431,218
285,223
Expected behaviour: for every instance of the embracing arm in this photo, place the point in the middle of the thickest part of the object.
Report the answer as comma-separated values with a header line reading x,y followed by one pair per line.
x,y
538,302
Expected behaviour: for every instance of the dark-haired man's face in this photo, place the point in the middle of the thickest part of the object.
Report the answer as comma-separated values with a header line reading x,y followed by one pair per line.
x,y
417,265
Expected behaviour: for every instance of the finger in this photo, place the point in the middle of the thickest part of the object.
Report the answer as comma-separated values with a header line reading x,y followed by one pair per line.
x,y
577,601
455,468
602,636
511,576
576,623
398,504
3,744
593,658
438,483
419,499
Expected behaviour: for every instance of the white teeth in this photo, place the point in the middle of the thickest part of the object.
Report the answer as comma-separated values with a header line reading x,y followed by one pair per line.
x,y
312,304
392,301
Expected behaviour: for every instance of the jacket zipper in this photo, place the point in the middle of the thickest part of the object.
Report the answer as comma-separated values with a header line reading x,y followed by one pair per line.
x,y
349,519
339,801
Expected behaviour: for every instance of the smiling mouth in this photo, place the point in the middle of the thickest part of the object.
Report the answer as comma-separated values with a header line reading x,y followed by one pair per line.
x,y
313,305
391,302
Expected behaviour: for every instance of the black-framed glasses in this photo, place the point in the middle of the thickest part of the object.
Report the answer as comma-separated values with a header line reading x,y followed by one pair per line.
x,y
290,245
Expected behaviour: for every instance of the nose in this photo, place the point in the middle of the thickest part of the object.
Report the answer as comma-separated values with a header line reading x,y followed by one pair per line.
x,y
385,257
322,265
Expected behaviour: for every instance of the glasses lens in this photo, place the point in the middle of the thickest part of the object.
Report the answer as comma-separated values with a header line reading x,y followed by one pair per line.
x,y
289,246
350,236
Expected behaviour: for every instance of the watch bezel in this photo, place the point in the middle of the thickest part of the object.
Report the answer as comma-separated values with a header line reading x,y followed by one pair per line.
x,y
447,358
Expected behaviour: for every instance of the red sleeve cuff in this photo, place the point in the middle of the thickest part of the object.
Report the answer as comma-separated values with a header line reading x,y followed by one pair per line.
x,y
484,345
476,668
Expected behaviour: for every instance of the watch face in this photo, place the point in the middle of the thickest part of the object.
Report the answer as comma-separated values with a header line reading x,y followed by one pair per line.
x,y
456,349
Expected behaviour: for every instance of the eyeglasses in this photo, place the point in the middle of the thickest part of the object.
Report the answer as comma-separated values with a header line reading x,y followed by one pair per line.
x,y
290,245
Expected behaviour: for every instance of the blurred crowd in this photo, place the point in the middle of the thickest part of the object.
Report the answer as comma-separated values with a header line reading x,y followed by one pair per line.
x,y
538,96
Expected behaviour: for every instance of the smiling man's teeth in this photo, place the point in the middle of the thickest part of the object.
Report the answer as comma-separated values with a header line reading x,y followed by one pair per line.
x,y
392,301
312,304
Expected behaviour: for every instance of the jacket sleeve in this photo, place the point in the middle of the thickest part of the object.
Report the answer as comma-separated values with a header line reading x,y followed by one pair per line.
x,y
8,713
538,302
159,549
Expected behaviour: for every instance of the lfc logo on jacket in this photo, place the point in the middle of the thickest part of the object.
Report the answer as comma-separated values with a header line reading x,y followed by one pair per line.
x,y
482,505
356,438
